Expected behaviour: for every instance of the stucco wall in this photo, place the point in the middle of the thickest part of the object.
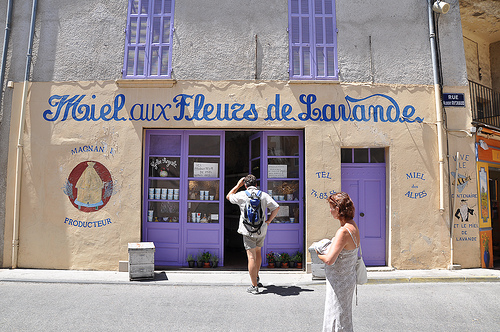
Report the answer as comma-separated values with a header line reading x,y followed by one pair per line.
x,y
451,46
50,231
217,41
84,41
495,65
418,235
72,46
374,43
223,46
62,51
477,53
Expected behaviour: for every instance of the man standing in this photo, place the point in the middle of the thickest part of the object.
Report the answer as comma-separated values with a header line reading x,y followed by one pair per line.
x,y
253,241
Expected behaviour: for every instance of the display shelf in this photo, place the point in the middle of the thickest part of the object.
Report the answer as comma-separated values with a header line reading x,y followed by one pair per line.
x,y
163,211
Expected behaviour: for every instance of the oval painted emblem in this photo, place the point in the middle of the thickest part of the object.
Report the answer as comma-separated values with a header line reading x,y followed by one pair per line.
x,y
89,186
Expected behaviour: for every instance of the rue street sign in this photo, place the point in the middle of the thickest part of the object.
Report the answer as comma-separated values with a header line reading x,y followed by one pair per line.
x,y
454,99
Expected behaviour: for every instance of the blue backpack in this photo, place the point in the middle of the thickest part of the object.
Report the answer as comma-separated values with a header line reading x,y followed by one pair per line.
x,y
253,216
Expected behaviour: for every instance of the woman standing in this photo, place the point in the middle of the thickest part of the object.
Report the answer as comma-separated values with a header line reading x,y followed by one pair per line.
x,y
340,269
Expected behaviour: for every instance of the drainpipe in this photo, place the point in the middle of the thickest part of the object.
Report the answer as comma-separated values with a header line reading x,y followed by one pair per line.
x,y
19,158
5,45
438,104
453,209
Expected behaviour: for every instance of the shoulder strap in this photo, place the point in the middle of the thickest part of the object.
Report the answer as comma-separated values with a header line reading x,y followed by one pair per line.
x,y
250,195
352,237
360,252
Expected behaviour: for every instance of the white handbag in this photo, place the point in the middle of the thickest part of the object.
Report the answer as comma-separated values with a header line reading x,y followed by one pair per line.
x,y
361,273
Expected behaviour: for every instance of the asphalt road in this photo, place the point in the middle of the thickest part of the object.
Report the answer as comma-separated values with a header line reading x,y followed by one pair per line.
x,y
142,307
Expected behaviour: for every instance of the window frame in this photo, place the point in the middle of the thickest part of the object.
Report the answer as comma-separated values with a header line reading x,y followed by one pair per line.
x,y
148,45
311,41
371,157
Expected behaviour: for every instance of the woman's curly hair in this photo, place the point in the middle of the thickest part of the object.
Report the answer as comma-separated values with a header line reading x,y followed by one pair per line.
x,y
344,203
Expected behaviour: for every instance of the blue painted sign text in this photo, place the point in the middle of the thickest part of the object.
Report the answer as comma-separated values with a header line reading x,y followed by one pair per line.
x,y
374,108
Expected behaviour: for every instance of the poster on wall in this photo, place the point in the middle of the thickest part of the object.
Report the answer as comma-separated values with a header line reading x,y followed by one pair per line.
x,y
276,171
486,249
206,170
484,219
284,211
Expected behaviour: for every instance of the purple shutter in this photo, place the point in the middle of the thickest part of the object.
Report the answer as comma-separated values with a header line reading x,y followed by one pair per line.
x,y
148,50
312,39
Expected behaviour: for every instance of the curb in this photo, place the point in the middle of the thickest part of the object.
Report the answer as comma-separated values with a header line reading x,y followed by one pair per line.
x,y
384,281
232,278
415,280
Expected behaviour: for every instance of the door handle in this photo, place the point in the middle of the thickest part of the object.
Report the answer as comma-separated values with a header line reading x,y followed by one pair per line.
x,y
361,214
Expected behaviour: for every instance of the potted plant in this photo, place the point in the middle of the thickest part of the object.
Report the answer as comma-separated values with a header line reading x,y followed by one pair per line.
x,y
205,257
285,259
298,259
190,260
199,260
270,259
215,260
277,259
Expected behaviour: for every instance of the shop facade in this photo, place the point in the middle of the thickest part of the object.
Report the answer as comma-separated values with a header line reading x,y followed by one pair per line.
x,y
133,151
488,171
136,164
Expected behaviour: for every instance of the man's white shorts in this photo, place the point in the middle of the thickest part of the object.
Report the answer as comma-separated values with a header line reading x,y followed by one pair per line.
x,y
252,242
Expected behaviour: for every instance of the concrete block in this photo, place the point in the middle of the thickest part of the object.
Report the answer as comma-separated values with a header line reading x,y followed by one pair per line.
x,y
123,266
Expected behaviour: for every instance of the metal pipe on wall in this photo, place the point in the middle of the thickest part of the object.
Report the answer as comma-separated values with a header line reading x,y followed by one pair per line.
x,y
438,104
453,209
5,44
19,157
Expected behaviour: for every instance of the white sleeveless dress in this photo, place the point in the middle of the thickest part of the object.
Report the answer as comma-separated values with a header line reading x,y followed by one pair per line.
x,y
341,281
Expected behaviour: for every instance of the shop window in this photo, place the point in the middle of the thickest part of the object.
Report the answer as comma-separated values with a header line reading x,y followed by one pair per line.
x,y
363,155
377,155
165,144
346,156
204,145
284,175
255,149
312,39
148,44
360,155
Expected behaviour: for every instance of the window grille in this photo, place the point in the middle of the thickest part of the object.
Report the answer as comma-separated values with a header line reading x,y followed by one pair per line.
x,y
148,49
313,39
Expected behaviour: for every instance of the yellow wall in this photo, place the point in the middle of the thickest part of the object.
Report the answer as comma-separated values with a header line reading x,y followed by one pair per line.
x,y
417,232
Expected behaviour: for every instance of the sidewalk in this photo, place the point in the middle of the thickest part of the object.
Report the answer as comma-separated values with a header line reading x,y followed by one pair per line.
x,y
211,277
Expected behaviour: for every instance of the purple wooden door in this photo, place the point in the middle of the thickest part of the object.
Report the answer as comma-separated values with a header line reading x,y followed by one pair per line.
x,y
183,191
276,159
204,208
366,186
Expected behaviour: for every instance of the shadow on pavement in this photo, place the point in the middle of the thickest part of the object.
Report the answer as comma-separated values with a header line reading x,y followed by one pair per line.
x,y
284,290
158,276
